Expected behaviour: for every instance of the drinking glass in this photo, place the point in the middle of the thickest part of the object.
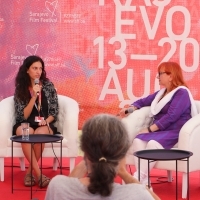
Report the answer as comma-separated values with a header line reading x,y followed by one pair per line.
x,y
25,131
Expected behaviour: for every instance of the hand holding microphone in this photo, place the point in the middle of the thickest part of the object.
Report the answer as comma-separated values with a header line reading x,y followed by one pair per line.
x,y
37,87
125,111
128,110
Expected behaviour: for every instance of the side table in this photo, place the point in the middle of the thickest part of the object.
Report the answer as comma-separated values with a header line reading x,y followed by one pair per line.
x,y
33,139
165,154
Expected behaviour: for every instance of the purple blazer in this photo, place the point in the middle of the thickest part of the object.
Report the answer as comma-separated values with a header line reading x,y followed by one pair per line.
x,y
169,120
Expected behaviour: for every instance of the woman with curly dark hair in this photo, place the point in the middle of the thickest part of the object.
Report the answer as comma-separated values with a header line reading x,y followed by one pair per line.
x,y
104,142
36,103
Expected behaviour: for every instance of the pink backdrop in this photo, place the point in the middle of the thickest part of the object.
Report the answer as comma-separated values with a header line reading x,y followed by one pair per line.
x,y
102,53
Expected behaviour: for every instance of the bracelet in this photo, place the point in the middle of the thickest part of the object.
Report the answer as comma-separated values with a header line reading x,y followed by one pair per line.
x,y
149,129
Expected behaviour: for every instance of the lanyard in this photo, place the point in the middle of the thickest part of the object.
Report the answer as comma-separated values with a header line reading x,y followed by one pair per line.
x,y
37,106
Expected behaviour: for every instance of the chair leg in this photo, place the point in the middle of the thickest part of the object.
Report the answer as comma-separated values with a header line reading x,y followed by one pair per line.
x,y
169,175
71,164
55,164
2,168
184,185
22,163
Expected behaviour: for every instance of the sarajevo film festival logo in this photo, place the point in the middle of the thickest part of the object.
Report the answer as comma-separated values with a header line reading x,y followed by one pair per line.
x,y
51,7
32,50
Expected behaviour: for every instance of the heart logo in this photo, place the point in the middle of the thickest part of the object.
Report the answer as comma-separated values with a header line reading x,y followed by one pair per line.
x,y
51,7
32,49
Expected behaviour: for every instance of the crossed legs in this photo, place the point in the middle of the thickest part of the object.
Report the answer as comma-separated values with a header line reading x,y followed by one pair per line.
x,y
142,145
35,150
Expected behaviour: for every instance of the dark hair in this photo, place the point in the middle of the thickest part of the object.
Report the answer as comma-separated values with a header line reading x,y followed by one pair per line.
x,y
22,80
104,141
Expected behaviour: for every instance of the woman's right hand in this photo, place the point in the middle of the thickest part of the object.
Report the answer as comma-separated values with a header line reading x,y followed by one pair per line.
x,y
36,89
126,111
80,170
122,112
123,173
121,168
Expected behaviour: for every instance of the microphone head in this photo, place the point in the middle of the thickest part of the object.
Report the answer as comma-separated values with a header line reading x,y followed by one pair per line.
x,y
129,110
36,81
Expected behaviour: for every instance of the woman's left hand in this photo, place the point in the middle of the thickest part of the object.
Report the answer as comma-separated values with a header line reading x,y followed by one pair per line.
x,y
121,168
145,130
43,123
79,170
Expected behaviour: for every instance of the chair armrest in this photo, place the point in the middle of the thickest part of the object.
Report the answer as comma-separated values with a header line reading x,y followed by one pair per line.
x,y
67,122
189,135
7,120
136,121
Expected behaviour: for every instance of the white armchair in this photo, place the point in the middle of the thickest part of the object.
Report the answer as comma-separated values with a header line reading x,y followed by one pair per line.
x,y
189,138
67,125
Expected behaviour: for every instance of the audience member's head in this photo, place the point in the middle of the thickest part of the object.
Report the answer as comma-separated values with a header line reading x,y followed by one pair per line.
x,y
104,142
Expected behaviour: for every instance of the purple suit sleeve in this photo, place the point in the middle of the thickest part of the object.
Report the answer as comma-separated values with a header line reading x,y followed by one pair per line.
x,y
179,104
144,101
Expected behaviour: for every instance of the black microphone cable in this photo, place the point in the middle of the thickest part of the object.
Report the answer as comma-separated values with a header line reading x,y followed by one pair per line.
x,y
45,119
50,133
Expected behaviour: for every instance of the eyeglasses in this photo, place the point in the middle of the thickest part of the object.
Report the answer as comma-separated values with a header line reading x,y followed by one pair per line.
x,y
160,73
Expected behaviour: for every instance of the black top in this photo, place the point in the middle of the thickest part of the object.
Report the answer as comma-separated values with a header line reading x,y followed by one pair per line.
x,y
43,112
163,154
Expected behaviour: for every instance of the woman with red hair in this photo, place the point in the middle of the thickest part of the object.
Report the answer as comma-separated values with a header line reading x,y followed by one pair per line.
x,y
171,108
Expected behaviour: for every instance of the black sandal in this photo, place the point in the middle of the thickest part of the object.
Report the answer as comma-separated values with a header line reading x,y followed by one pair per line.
x,y
28,181
43,181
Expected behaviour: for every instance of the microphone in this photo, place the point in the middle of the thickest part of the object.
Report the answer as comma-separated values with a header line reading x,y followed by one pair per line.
x,y
129,110
37,81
